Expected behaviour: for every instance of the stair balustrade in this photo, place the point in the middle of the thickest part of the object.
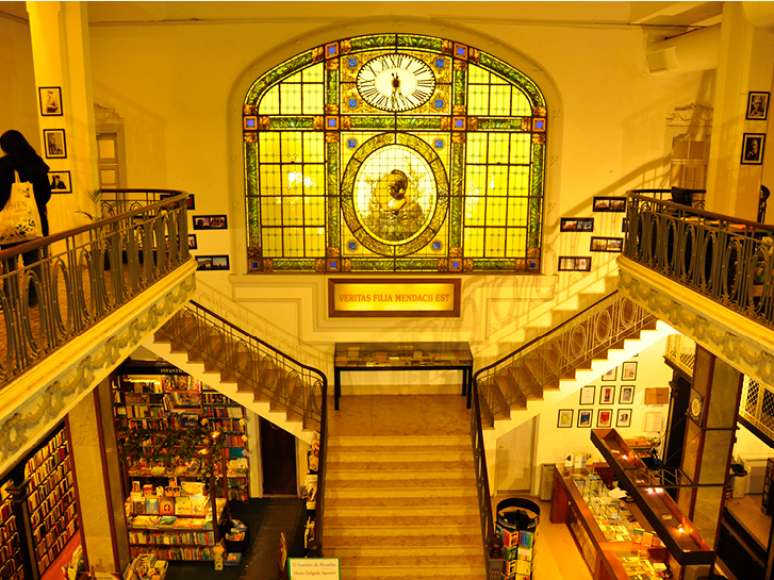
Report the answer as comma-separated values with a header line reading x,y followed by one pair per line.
x,y
727,259
82,275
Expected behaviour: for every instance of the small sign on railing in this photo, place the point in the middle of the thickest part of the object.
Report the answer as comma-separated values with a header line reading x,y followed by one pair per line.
x,y
314,569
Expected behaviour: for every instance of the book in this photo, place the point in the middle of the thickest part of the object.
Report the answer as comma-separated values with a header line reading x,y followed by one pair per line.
x,y
183,505
152,505
166,505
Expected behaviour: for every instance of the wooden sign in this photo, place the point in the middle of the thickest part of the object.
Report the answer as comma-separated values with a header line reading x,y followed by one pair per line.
x,y
352,297
314,569
657,396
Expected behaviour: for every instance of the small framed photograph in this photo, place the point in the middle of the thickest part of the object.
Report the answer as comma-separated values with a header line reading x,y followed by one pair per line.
x,y
564,418
50,101
609,203
574,263
604,418
752,148
757,105
623,418
55,144
607,395
219,262
629,371
210,222
603,244
576,225
193,243
587,394
626,395
610,375
585,417
60,182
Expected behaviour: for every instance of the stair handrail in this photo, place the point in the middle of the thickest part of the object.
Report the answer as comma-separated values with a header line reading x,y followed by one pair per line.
x,y
315,544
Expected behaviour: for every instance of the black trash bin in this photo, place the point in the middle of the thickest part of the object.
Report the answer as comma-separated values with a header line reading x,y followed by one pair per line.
x,y
516,526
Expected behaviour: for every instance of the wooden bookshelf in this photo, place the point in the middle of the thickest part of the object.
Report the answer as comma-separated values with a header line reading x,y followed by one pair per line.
x,y
11,555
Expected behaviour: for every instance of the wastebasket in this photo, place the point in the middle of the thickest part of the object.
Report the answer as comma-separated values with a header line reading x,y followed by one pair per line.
x,y
516,525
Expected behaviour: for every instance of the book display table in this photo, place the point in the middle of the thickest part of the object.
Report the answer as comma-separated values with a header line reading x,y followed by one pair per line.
x,y
401,356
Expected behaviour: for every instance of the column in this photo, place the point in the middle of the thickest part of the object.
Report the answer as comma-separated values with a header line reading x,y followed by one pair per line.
x,y
709,437
67,141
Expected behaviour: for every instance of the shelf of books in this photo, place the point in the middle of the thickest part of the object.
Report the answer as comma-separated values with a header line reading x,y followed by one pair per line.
x,y
11,556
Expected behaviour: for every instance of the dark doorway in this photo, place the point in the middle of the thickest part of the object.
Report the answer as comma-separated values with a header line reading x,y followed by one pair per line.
x,y
278,460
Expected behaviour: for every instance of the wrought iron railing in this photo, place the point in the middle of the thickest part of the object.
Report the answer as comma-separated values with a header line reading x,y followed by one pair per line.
x,y
681,351
271,375
727,259
78,277
114,202
682,195
757,406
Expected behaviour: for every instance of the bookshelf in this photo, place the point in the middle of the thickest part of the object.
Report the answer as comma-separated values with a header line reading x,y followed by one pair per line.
x,y
11,555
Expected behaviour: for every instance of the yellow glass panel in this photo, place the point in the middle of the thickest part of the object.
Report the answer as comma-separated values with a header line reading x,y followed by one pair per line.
x,y
475,182
519,103
498,148
290,141
474,242
293,211
272,241
520,147
270,180
497,180
498,80
314,180
269,104
313,99
292,180
314,147
495,211
500,100
294,78
474,211
271,211
517,243
314,210
312,74
268,147
315,241
290,99
477,75
294,241
517,211
478,99
495,242
476,148
518,183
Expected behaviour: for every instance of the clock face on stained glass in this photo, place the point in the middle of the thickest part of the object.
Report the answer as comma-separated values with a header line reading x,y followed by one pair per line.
x,y
395,82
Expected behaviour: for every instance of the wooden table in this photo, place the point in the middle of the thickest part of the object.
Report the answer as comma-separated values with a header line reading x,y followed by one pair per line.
x,y
401,356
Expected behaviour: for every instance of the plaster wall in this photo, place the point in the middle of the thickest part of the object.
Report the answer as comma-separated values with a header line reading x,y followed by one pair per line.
x,y
18,98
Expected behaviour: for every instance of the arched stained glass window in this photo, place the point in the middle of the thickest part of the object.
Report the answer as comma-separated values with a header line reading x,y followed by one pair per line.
x,y
394,153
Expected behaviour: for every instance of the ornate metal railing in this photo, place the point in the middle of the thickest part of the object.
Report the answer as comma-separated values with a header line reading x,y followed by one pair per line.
x,y
727,259
681,351
78,277
114,202
271,375
757,406
682,195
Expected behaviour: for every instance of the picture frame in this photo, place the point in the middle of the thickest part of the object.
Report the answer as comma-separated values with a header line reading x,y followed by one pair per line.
x,y
50,101
753,145
626,395
607,395
587,395
571,224
190,202
193,243
606,244
604,418
623,418
585,417
60,181
629,371
757,105
210,222
564,418
610,375
609,203
214,262
574,264
54,144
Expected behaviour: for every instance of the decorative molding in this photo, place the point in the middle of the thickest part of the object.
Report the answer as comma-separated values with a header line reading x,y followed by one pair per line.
x,y
741,342
35,401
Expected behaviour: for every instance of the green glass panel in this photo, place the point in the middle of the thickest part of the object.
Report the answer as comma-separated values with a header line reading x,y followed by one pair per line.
x,y
313,101
314,211
270,102
500,124
290,99
268,147
517,211
457,191
314,180
290,143
372,265
495,242
416,265
495,211
518,180
475,208
498,148
333,194
419,123
372,41
383,122
497,180
474,242
478,100
253,209
475,184
500,100
314,144
477,75
476,148
270,180
293,211
520,147
520,103
332,88
271,211
293,265
495,265
272,242
517,243
251,167
313,74
315,241
420,42
459,80
280,123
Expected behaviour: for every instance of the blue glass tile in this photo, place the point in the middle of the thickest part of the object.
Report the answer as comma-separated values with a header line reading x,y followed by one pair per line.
x,y
352,103
351,143
351,62
439,62
455,264
333,264
352,245
439,103
461,50
331,122
437,245
331,50
458,122
539,124
438,143
250,123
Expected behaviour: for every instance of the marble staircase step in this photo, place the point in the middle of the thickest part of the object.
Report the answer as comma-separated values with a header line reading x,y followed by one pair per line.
x,y
401,506
427,488
342,453
354,470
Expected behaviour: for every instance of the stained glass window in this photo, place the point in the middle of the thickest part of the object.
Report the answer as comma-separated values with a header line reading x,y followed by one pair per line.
x,y
394,153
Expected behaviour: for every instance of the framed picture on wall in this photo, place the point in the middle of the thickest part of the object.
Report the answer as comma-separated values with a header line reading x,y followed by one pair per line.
x,y
752,148
50,101
610,203
210,222
626,395
564,418
570,224
757,105
55,146
629,371
193,243
607,395
623,418
602,244
574,263
604,418
60,182
585,417
610,375
587,395
219,262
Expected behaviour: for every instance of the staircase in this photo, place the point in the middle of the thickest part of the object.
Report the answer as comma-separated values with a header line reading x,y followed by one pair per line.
x,y
242,367
551,367
400,498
